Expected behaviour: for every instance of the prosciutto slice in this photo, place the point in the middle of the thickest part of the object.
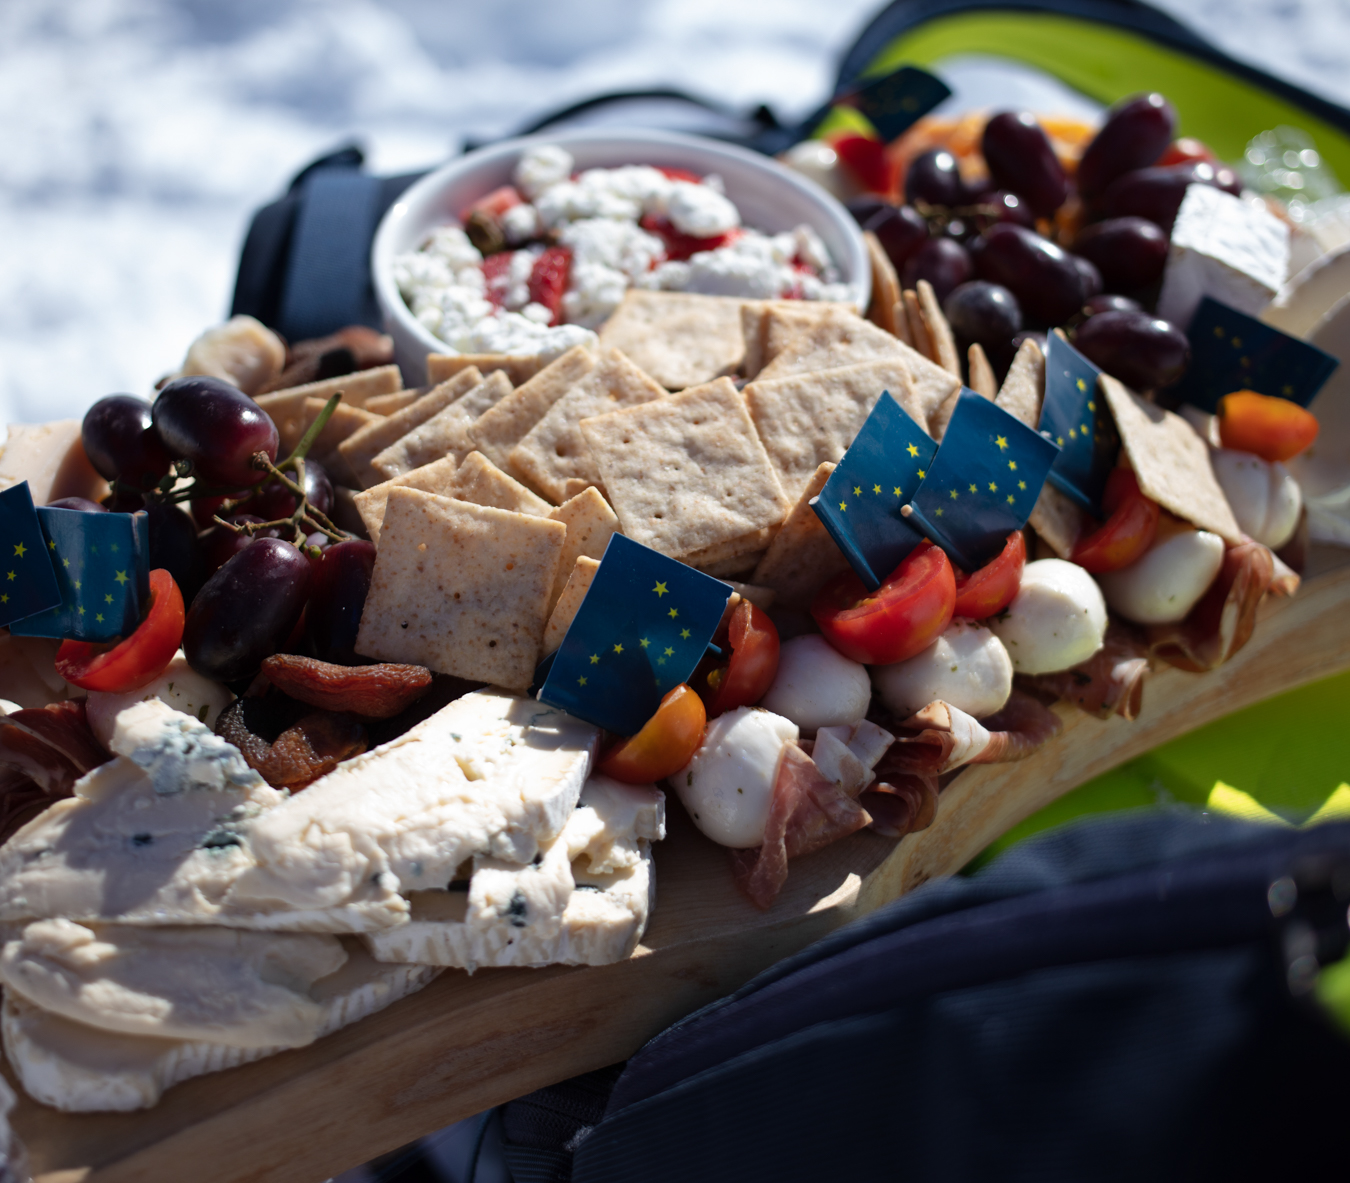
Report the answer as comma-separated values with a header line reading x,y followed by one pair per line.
x,y
20,801
45,750
1222,622
1110,682
903,805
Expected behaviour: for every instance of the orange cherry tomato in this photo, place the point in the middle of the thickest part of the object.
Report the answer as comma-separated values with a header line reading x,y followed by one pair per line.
x,y
666,743
1186,149
140,658
746,678
994,586
901,618
1272,428
1129,530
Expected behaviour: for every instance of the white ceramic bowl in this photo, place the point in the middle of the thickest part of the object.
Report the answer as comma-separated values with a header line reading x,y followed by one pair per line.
x,y
771,198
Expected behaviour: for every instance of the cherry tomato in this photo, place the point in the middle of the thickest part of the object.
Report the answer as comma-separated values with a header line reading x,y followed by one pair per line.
x,y
1272,428
1186,149
866,159
743,681
141,657
994,586
496,203
901,618
1129,530
666,743
679,174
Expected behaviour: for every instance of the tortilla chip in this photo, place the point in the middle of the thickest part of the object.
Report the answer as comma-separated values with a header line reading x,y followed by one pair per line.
x,y
342,424
918,328
1170,460
939,331
519,368
885,285
480,481
1057,520
982,380
803,556
391,404
462,589
568,602
356,389
590,524
808,419
362,447
430,478
686,472
554,450
446,433
1024,387
499,429
678,338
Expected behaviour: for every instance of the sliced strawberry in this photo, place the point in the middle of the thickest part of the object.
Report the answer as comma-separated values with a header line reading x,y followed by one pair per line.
x,y
682,246
866,159
497,276
495,203
679,174
548,280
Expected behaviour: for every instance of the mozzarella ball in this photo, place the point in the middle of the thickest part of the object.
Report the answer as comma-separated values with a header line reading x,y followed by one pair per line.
x,y
1056,620
1266,499
727,786
1166,581
967,666
817,160
180,686
817,686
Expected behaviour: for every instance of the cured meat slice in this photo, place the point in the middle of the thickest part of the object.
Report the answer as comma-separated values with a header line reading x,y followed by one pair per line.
x,y
903,805
1110,682
51,745
1022,726
942,738
20,801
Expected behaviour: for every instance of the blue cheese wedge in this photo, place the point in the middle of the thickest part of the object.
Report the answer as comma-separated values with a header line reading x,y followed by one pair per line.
x,y
83,1069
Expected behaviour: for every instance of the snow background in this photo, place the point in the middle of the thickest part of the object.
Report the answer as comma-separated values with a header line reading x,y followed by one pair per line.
x,y
140,134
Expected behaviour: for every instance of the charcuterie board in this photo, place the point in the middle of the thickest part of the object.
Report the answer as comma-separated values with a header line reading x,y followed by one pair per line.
x,y
469,1042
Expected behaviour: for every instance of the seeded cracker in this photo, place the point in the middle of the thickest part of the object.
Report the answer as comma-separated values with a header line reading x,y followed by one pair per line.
x,y
445,433
590,524
1024,387
803,556
499,429
569,602
518,368
808,419
678,338
553,451
1170,460
361,448
479,480
435,478
688,473
462,589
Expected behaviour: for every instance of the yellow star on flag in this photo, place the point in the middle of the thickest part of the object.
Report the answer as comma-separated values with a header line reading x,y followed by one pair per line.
x,y
121,577
974,488
670,652
684,634
11,575
922,474
51,545
644,642
896,493
618,648
107,599
20,549
1001,442
1012,464
843,506
1082,385
99,617
660,590
1092,406
955,494
1021,484
595,659
913,451
581,681
65,562
857,490
674,612
1010,498
4,597
993,488
876,488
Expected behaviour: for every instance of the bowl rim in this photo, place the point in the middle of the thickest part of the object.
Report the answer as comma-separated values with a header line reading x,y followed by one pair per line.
x,y
390,299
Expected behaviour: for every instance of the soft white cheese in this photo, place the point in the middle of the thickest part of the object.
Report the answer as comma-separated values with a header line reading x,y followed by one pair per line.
x,y
1167,581
700,211
1265,498
541,167
967,667
817,686
179,686
1056,621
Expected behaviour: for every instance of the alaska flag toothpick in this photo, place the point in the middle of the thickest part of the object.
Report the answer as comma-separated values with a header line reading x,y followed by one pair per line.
x,y
880,472
27,581
983,482
1232,351
102,568
895,102
644,624
1076,417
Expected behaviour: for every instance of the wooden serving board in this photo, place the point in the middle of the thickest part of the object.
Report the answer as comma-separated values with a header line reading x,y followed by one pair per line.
x,y
466,1043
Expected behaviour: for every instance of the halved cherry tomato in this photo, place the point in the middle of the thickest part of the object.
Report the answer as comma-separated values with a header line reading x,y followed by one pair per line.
x,y
681,246
1129,530
994,586
1186,149
548,279
496,203
666,743
867,160
1272,428
744,680
141,657
679,174
901,618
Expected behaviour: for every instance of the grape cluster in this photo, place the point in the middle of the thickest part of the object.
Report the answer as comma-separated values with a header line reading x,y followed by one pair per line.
x,y
1033,247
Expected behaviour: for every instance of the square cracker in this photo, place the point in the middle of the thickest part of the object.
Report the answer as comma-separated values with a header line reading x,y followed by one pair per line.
x,y
885,285
500,428
807,419
446,433
590,524
462,589
430,478
568,603
1057,520
982,380
478,480
939,331
1170,460
687,472
1024,387
356,389
391,404
362,447
344,422
680,339
518,367
553,450
802,556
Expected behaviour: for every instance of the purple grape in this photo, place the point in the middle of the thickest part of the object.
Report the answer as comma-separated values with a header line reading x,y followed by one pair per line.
x,y
901,230
174,546
217,427
340,586
1020,158
986,313
1029,335
1110,303
121,442
273,500
864,208
1130,253
1157,193
1136,133
1088,273
935,178
246,610
220,544
1141,350
80,503
1046,280
943,262
1008,207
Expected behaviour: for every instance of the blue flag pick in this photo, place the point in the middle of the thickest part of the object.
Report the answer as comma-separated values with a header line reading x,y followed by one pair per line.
x,y
1076,417
644,624
102,568
898,100
1232,351
983,482
27,581
860,503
